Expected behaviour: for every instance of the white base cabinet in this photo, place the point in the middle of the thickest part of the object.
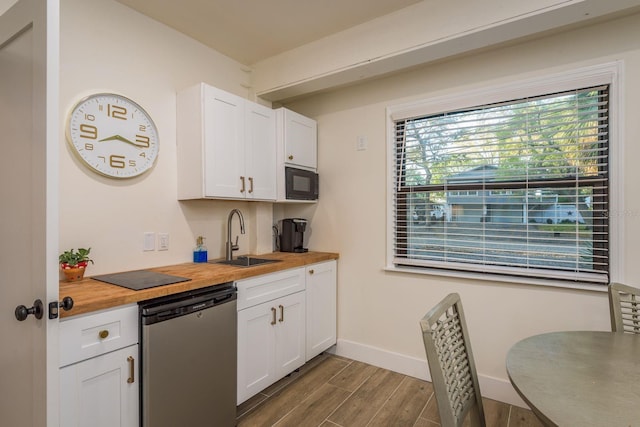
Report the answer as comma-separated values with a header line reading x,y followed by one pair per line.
x,y
284,319
271,329
99,384
321,299
99,393
271,343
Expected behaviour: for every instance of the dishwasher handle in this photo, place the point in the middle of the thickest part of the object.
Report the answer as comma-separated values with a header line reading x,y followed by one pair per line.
x,y
166,308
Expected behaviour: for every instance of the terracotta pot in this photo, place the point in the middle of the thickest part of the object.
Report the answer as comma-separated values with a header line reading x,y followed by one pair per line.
x,y
73,274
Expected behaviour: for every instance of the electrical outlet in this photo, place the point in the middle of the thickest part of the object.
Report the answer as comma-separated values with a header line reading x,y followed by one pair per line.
x,y
149,242
163,241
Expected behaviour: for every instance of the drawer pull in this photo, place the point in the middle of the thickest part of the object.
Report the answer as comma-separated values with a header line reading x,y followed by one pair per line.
x,y
281,313
273,313
132,365
250,184
103,334
243,189
311,271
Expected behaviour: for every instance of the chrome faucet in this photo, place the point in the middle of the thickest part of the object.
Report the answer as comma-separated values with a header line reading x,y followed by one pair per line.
x,y
230,247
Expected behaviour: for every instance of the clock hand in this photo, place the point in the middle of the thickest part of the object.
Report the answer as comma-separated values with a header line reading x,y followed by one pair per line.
x,y
123,139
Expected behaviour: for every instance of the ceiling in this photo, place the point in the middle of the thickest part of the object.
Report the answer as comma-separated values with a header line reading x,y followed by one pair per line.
x,y
252,30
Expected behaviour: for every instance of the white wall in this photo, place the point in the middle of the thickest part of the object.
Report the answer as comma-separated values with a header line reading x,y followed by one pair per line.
x,y
107,47
379,311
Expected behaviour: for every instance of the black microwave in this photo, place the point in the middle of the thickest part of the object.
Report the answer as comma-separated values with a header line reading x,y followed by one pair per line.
x,y
300,184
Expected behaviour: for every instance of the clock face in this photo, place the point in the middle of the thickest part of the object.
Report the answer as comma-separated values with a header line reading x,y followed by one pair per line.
x,y
113,135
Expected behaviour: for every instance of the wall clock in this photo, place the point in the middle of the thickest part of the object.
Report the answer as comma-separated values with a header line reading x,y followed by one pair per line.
x,y
113,135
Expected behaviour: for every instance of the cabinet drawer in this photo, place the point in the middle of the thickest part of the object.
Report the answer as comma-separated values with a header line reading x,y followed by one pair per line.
x,y
270,286
91,335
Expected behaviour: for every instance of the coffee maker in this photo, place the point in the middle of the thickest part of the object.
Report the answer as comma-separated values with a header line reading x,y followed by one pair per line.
x,y
292,237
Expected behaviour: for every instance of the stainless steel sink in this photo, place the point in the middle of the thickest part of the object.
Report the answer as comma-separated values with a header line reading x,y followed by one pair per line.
x,y
244,261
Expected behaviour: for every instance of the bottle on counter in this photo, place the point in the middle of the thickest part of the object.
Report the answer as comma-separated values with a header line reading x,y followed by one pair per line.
x,y
200,251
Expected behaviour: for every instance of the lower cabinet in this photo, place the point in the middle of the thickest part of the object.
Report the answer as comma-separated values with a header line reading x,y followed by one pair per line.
x,y
99,384
271,343
284,319
271,329
102,391
321,299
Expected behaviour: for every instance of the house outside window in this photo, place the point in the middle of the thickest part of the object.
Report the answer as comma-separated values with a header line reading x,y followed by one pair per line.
x,y
518,186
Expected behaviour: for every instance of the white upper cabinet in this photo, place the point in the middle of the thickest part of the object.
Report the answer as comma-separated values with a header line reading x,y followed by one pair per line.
x,y
260,151
297,139
226,146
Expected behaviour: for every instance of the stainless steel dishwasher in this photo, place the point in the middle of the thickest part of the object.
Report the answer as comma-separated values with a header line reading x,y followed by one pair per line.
x,y
188,366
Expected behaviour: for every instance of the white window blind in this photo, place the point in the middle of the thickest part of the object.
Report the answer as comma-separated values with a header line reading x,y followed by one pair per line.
x,y
518,188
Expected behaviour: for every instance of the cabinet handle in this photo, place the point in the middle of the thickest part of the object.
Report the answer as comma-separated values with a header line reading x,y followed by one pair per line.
x,y
281,313
311,271
242,190
103,334
132,364
290,156
250,184
273,313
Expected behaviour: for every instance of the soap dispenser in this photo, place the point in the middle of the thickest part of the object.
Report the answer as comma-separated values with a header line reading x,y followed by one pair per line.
x,y
200,251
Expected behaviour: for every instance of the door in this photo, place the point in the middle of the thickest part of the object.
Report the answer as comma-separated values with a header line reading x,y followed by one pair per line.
x,y
101,391
260,152
256,349
321,307
29,50
290,333
224,144
301,140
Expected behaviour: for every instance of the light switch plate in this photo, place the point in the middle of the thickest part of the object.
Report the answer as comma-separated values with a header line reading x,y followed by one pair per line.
x,y
149,243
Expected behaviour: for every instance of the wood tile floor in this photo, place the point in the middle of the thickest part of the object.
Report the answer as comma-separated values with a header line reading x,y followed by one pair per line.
x,y
332,391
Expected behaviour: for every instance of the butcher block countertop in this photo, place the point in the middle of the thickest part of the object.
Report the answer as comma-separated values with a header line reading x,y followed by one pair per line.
x,y
91,295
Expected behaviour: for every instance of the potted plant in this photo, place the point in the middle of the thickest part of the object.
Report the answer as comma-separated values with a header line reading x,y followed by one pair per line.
x,y
73,263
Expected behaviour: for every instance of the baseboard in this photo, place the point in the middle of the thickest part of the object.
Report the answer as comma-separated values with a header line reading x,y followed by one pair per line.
x,y
492,388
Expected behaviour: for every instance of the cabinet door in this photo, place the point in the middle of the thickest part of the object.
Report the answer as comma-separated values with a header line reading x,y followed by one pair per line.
x,y
260,152
223,144
290,333
321,307
300,140
256,349
97,391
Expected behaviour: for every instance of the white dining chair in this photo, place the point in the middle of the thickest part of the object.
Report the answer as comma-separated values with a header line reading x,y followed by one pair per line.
x,y
453,371
624,308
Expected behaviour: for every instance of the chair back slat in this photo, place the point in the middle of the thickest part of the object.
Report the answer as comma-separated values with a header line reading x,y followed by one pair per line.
x,y
453,371
624,308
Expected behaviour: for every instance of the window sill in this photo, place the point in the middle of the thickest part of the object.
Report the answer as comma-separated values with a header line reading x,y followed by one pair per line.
x,y
498,278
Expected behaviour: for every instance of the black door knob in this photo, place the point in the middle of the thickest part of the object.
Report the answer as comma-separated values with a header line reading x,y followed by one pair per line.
x,y
66,303
23,312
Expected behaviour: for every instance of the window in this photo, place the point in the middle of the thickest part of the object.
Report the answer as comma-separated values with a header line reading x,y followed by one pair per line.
x,y
520,186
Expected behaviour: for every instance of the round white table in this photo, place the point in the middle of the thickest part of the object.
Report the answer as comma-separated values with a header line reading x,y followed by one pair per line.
x,y
579,378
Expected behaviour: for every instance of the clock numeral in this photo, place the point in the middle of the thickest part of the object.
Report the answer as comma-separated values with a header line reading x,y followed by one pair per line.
x,y
90,117
142,128
117,112
143,154
88,146
143,141
132,163
88,131
116,161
